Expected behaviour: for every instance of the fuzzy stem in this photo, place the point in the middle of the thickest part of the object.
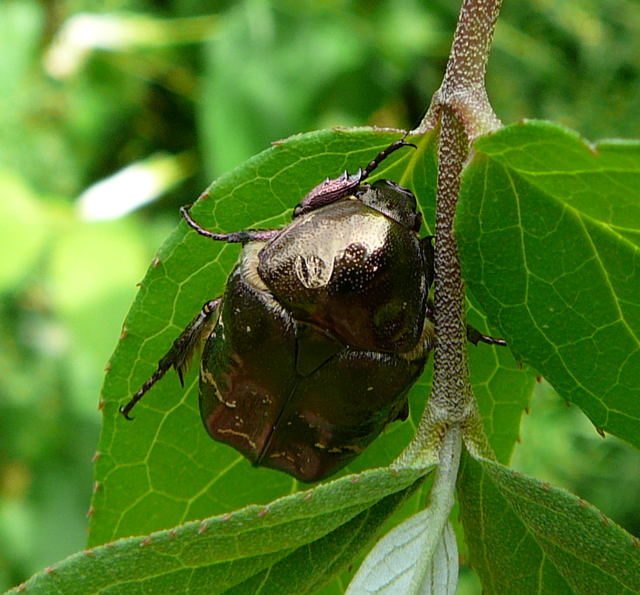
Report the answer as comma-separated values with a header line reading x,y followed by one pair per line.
x,y
462,88
461,110
452,389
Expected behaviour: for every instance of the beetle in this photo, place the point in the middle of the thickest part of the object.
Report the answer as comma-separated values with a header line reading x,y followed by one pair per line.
x,y
322,329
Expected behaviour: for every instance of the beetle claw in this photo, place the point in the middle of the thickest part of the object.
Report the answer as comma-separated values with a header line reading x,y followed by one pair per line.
x,y
123,409
475,337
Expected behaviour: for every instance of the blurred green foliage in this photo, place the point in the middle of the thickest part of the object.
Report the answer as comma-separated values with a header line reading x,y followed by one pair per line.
x,y
89,87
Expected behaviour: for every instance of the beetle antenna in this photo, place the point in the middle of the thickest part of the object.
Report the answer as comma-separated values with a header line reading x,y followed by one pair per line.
x,y
235,237
382,155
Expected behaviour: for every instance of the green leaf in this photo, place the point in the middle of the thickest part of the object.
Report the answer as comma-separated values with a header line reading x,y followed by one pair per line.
x,y
501,386
549,235
525,536
293,545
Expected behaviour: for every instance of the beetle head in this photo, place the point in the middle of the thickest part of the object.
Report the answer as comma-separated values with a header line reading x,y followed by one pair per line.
x,y
347,184
392,200
329,191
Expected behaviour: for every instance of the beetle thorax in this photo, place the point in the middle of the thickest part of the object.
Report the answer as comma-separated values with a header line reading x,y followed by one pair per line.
x,y
307,258
392,200
352,271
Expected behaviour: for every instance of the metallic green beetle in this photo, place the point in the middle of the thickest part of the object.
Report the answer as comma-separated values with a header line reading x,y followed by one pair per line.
x,y
322,329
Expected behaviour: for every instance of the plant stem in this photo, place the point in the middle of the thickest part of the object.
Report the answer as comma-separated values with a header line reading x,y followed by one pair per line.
x,y
461,110
463,89
451,386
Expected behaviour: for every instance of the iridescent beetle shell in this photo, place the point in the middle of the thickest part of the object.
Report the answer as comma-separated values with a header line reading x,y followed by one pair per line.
x,y
321,333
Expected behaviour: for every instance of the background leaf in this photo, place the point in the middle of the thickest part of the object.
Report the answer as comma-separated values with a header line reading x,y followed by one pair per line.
x,y
549,233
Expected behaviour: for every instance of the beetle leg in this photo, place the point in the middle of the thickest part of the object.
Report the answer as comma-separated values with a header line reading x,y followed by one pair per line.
x,y
403,414
426,245
328,192
181,352
475,336
235,237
